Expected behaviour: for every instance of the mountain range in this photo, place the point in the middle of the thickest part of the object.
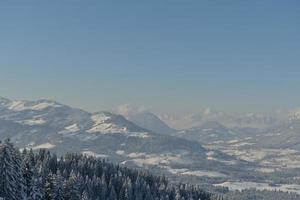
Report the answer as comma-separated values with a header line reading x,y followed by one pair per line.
x,y
61,128
210,153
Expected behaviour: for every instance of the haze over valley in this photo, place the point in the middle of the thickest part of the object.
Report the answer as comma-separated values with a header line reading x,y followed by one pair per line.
x,y
262,154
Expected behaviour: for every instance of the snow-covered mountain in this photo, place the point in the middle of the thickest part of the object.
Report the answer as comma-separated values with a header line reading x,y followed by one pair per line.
x,y
208,132
252,120
284,135
52,125
294,114
248,120
151,122
211,151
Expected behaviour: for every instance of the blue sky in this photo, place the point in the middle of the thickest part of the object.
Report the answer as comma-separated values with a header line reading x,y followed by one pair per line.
x,y
169,56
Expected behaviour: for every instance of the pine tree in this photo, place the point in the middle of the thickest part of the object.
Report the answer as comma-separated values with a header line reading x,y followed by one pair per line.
x,y
27,170
84,196
58,187
37,191
72,187
10,176
42,178
49,187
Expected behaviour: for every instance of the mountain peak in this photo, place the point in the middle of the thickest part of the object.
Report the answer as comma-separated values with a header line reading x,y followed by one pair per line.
x,y
151,122
22,105
32,105
106,122
4,101
213,125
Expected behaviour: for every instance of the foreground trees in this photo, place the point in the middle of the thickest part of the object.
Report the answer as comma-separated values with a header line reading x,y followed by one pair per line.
x,y
42,176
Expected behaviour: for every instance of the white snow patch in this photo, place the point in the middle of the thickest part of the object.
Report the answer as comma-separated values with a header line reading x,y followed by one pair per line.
x,y
120,152
243,144
72,128
163,159
93,154
233,141
233,186
44,146
265,170
32,122
21,106
103,125
200,173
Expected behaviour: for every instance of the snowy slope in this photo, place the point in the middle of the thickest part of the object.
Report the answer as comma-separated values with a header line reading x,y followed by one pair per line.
x,y
60,128
151,122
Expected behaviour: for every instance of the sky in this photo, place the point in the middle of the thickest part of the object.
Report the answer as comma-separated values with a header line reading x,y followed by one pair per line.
x,y
168,56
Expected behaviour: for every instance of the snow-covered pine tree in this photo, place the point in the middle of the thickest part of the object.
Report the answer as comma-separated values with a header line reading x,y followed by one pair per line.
x,y
58,183
46,179
37,191
84,196
27,170
10,172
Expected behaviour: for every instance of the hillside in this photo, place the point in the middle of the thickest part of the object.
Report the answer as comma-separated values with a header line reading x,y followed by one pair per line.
x,y
43,176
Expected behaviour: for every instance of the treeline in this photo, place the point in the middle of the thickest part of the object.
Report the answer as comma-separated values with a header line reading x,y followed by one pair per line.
x,y
44,176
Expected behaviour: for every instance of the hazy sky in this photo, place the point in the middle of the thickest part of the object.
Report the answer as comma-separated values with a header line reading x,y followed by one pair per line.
x,y
169,56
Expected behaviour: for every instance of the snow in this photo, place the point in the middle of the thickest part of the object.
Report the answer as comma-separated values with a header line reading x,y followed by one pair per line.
x,y
44,146
100,118
227,162
265,170
176,171
208,130
93,154
210,153
233,186
72,128
268,158
295,114
243,144
17,105
200,173
21,106
103,125
44,105
139,134
210,156
247,155
163,159
31,144
120,152
33,122
233,141
136,155
218,142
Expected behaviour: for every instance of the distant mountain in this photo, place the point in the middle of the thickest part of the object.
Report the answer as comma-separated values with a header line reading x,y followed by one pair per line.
x,y
208,132
52,125
253,120
249,120
294,115
285,135
151,122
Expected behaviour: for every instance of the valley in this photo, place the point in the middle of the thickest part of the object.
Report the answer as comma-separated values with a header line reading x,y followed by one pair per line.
x,y
212,155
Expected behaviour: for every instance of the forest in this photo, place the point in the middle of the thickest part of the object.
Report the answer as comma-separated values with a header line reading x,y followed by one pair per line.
x,y
44,176
41,175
